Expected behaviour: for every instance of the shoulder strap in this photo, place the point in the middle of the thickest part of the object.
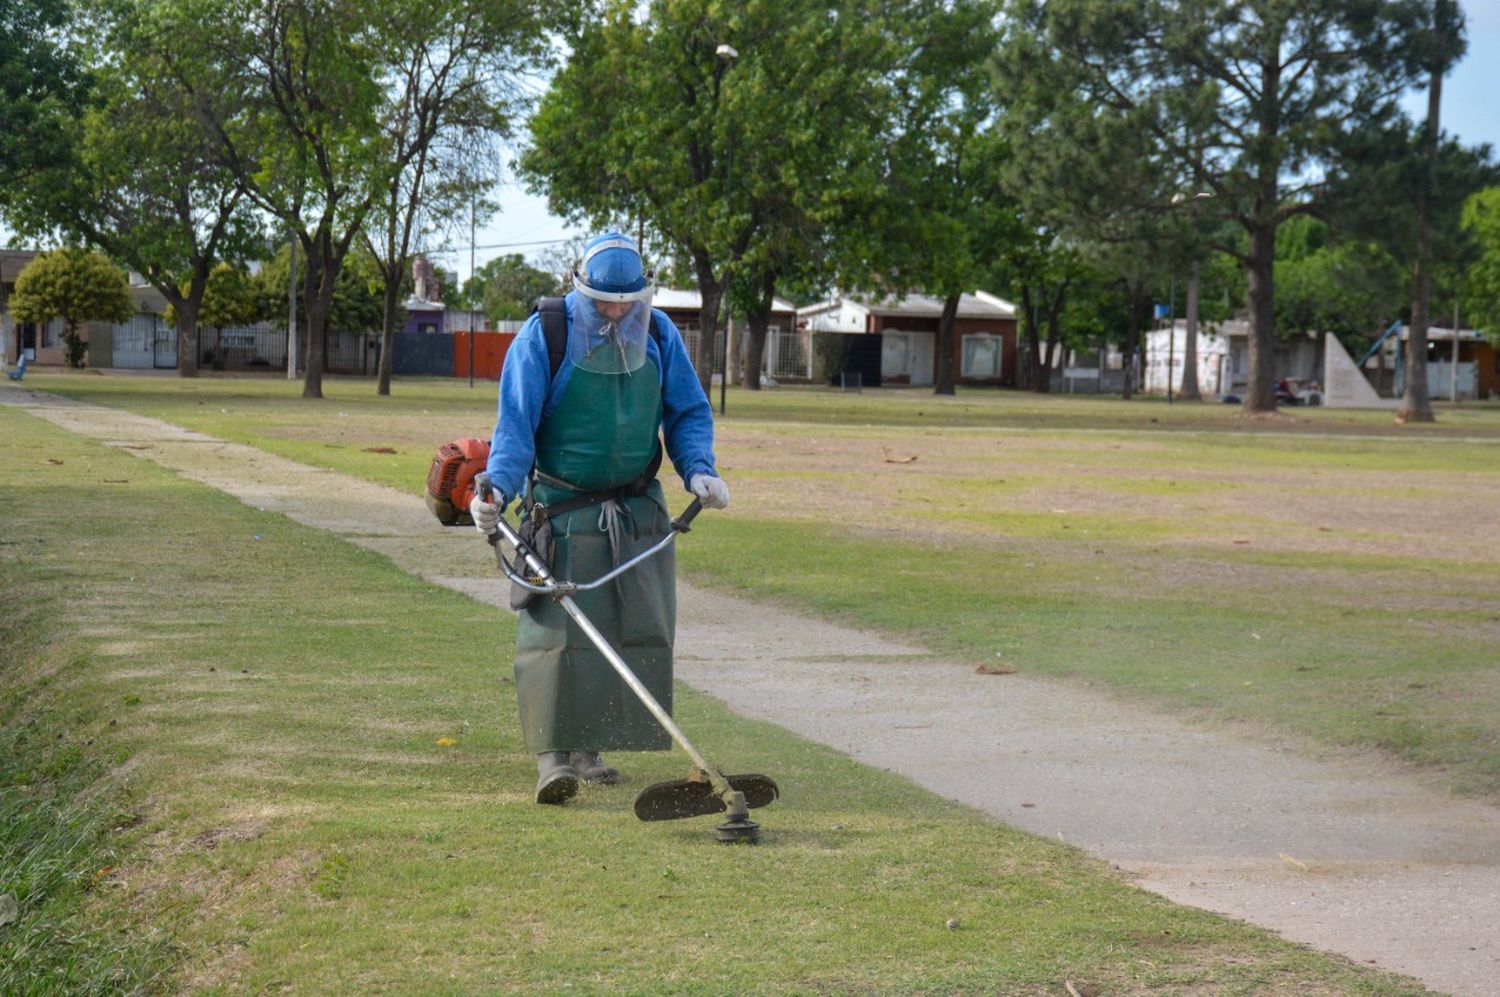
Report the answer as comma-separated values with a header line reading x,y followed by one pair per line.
x,y
554,312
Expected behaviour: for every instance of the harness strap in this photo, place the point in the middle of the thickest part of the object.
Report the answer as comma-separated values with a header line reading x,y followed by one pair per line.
x,y
637,486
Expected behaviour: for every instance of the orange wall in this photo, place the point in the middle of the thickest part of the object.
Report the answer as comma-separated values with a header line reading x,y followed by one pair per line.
x,y
489,353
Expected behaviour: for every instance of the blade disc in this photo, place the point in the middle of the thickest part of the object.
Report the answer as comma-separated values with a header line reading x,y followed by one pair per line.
x,y
691,798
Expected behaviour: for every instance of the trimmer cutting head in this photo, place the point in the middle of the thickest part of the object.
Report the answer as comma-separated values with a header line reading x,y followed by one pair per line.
x,y
695,797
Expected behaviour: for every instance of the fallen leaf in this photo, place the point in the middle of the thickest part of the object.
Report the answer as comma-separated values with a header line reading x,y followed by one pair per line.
x,y
9,909
995,670
50,460
380,449
901,460
1291,861
1242,541
115,481
446,742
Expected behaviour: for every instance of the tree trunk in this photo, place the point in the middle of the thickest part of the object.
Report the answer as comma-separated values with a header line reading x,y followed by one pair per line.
x,y
389,304
736,359
759,321
315,343
712,292
1033,340
187,334
1416,400
1054,338
1260,394
1140,304
947,345
1189,392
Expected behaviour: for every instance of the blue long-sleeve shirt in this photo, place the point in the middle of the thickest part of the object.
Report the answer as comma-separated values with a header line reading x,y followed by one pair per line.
x,y
529,393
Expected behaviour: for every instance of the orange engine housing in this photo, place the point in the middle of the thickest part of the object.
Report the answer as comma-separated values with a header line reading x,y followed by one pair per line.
x,y
450,481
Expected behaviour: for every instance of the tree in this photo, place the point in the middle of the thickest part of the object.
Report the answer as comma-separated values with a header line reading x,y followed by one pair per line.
x,y
140,181
943,215
1349,287
1247,99
354,306
1481,219
508,286
42,87
648,127
230,297
302,101
454,90
76,286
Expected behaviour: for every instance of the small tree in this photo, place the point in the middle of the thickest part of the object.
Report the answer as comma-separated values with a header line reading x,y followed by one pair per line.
x,y
1481,219
508,286
76,286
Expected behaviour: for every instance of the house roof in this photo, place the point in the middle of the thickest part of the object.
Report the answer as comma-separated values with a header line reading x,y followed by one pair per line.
x,y
674,299
980,304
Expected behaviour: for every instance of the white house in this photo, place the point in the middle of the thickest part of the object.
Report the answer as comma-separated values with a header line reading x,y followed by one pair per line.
x,y
1223,357
894,340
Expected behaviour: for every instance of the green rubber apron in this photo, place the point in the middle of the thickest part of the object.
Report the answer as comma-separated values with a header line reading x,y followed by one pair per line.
x,y
601,435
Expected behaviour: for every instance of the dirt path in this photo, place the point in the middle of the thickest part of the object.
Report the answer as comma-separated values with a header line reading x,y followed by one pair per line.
x,y
1335,850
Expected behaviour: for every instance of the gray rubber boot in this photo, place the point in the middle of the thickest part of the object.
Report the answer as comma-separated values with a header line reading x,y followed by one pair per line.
x,y
593,769
557,781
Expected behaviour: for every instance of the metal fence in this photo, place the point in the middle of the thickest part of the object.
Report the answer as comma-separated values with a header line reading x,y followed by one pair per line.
x,y
242,347
788,354
143,343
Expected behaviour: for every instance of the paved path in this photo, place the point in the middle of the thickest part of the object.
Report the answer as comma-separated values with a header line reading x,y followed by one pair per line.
x,y
1334,849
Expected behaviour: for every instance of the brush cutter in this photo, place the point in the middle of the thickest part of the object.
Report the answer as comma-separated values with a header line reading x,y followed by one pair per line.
x,y
705,791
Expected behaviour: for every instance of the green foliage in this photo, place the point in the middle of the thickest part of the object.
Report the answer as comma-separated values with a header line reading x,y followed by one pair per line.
x,y
42,87
749,164
1481,219
355,305
230,297
1250,100
1350,288
75,285
508,287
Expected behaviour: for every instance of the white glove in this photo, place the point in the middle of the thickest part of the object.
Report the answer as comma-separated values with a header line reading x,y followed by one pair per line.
x,y
486,515
711,491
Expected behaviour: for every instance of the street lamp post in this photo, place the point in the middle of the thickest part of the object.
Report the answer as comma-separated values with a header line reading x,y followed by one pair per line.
x,y
726,54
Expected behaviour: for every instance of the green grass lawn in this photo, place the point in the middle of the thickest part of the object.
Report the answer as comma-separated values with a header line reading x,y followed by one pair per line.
x,y
1323,574
287,765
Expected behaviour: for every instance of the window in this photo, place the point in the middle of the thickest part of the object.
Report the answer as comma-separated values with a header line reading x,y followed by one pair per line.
x,y
52,334
981,355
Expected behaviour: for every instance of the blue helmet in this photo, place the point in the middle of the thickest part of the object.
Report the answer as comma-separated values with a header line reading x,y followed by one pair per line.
x,y
611,270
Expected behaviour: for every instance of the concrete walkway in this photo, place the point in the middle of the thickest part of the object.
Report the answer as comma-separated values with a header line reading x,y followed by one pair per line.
x,y
1339,850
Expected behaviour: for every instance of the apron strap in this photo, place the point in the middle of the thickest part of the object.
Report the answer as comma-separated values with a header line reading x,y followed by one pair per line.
x,y
637,486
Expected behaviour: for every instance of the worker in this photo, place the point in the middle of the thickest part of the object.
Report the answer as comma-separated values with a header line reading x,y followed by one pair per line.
x,y
579,440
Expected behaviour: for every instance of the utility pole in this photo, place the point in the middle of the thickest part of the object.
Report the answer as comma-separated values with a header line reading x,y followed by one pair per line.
x,y
473,207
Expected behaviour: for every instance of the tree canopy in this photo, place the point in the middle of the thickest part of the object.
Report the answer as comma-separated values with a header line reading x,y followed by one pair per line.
x,y
1250,100
507,287
75,285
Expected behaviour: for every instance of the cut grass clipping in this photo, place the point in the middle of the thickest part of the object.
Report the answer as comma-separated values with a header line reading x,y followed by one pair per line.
x,y
333,796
